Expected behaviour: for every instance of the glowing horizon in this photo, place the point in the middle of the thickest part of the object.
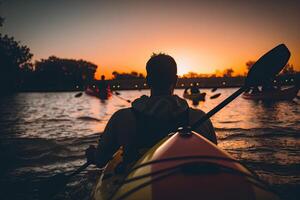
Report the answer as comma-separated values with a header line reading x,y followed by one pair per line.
x,y
203,37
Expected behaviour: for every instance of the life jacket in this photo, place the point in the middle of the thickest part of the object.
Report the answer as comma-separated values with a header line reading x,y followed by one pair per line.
x,y
149,131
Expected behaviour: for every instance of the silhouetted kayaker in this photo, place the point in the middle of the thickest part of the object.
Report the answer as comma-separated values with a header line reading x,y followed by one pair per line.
x,y
193,89
103,88
149,119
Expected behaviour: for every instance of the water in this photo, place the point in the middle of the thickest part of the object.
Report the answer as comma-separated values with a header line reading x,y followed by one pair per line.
x,y
42,134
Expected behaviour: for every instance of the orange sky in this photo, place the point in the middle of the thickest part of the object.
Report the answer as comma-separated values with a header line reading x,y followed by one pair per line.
x,y
202,36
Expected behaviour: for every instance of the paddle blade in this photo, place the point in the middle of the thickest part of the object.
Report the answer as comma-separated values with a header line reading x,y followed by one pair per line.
x,y
215,96
78,94
214,89
268,66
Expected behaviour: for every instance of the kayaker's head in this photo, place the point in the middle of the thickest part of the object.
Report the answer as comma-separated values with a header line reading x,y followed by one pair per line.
x,y
161,74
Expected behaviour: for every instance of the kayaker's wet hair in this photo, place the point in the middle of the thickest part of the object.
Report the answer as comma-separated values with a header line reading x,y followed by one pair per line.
x,y
161,71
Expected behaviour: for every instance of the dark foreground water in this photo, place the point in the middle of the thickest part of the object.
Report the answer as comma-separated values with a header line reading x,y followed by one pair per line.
x,y
42,134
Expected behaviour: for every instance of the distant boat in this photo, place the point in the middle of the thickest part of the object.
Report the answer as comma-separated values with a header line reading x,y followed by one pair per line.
x,y
99,94
274,95
194,97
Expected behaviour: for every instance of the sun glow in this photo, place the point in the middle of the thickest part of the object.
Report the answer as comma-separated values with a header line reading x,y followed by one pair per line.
x,y
183,69
185,65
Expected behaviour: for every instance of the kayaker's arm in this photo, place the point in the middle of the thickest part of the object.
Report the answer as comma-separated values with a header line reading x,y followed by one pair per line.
x,y
108,143
206,129
114,136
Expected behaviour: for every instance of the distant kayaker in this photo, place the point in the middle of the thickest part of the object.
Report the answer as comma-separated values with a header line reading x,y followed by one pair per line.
x,y
150,118
193,89
103,88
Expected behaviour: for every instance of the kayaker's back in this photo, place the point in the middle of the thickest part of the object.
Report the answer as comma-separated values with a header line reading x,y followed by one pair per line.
x,y
161,115
143,131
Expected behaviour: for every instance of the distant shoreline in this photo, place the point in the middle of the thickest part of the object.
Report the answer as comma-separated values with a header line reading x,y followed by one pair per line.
x,y
58,91
139,84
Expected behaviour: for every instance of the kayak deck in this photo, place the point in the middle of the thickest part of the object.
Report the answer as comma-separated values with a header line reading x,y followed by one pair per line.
x,y
189,167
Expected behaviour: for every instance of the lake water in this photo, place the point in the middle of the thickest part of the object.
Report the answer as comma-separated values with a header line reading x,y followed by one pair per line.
x,y
42,134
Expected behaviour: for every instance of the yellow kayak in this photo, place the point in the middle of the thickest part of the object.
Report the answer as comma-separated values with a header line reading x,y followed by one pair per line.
x,y
181,166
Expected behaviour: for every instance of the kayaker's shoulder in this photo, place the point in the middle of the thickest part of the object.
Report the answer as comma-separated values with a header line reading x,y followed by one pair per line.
x,y
122,113
198,112
121,118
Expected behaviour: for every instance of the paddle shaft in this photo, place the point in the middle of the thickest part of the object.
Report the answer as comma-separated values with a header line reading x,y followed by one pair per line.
x,y
218,107
117,95
80,169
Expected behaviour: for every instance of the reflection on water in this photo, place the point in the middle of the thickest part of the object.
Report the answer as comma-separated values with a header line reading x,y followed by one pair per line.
x,y
47,133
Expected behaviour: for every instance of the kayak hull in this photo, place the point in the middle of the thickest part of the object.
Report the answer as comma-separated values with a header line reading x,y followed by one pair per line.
x,y
101,95
185,167
285,94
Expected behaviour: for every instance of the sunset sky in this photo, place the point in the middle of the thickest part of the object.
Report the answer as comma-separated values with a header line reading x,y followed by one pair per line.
x,y
202,36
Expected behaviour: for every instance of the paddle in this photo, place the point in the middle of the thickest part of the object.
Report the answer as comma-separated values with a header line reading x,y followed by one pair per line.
x,y
214,89
117,95
215,96
264,70
78,95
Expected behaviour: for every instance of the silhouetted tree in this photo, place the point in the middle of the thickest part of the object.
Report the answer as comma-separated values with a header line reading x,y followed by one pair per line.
x,y
194,75
228,72
217,73
127,76
14,58
190,75
288,69
133,73
63,74
26,75
249,64
115,74
141,76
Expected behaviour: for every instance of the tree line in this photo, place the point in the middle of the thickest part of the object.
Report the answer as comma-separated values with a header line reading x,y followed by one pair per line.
x,y
127,76
56,73
18,72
